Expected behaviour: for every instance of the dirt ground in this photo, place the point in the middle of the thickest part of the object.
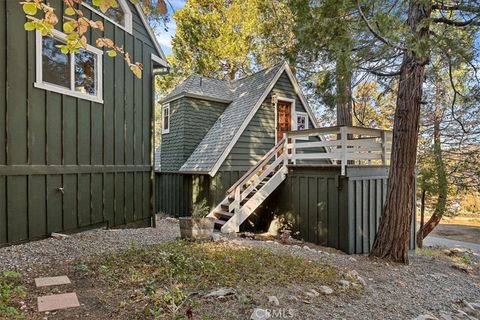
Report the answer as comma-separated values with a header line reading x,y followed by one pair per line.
x,y
465,229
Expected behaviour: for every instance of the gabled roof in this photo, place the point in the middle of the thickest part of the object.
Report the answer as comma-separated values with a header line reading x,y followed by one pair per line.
x,y
202,87
247,95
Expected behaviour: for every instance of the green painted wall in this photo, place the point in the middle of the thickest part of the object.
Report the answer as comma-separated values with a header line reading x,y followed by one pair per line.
x,y
331,210
98,153
190,121
259,136
176,192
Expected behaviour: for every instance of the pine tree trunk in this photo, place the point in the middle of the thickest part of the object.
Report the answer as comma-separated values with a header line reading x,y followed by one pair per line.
x,y
344,89
392,239
422,219
442,183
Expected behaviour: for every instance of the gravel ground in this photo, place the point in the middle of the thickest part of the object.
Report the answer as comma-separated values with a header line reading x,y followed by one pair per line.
x,y
22,257
428,286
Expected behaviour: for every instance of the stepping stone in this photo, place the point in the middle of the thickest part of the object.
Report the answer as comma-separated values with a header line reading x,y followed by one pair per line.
x,y
51,281
57,302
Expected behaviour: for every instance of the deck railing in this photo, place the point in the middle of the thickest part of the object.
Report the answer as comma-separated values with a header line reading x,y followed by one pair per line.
x,y
339,145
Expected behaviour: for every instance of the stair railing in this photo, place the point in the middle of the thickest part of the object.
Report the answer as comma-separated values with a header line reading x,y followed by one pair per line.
x,y
256,174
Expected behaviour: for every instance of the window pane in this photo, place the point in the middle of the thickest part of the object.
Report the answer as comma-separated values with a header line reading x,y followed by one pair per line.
x,y
85,72
55,64
115,14
301,122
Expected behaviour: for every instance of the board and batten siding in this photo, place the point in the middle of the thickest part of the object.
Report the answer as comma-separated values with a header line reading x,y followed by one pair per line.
x,y
190,121
176,193
259,135
337,211
98,153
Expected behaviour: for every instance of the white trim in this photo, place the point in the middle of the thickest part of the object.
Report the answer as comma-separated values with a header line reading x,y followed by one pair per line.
x,y
128,16
245,123
164,107
307,125
195,96
239,132
158,60
40,84
292,116
300,94
150,32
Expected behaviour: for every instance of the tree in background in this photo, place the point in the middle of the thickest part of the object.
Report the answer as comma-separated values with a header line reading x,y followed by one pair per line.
x,y
417,40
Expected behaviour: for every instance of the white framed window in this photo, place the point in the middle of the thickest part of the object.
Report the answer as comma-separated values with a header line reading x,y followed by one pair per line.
x,y
120,15
166,118
301,120
301,123
74,74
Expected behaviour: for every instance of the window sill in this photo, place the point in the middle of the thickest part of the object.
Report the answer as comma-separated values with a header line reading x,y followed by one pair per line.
x,y
166,132
67,92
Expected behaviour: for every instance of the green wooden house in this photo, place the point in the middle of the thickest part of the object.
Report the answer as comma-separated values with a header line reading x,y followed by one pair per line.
x,y
75,129
252,150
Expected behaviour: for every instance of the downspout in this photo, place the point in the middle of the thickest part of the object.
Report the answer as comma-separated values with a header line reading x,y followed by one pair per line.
x,y
155,72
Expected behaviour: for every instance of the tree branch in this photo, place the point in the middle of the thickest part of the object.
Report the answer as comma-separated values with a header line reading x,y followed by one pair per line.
x,y
375,33
472,22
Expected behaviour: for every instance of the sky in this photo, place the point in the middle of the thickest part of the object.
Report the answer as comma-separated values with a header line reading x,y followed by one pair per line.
x,y
165,37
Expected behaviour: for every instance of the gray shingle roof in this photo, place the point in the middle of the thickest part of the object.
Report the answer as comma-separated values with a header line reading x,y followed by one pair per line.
x,y
202,86
245,93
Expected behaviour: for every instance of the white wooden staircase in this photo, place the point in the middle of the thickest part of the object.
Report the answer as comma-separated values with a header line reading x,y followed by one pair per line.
x,y
251,190
339,146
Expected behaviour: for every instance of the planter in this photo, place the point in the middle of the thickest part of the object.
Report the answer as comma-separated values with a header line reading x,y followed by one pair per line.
x,y
196,228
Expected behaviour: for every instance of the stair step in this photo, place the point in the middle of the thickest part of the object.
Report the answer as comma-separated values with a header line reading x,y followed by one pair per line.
x,y
224,207
220,222
224,214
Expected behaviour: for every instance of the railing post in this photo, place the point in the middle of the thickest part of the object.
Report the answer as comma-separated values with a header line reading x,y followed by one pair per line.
x,y
384,148
237,199
343,152
285,149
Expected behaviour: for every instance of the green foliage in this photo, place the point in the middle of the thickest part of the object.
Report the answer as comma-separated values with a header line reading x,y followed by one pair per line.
x,y
201,209
11,291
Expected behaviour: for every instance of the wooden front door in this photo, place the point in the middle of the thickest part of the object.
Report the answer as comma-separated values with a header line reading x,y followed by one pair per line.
x,y
284,118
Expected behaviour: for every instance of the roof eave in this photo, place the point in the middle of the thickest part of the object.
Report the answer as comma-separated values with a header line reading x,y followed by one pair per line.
x,y
193,95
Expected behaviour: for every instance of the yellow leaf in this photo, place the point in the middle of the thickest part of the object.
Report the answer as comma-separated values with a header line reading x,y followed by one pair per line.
x,y
112,53
29,26
30,9
68,27
69,11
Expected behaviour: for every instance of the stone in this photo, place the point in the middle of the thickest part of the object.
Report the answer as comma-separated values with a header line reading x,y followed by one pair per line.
x,y
312,293
59,236
52,281
362,281
57,302
325,290
352,259
344,283
445,316
295,246
216,237
426,317
221,293
273,300
260,314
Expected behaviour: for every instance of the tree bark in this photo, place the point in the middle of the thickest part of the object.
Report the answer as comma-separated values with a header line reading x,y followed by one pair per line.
x,y
392,239
344,89
442,183
422,219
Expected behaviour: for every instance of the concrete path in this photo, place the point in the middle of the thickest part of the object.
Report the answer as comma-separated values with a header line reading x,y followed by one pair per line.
x,y
435,241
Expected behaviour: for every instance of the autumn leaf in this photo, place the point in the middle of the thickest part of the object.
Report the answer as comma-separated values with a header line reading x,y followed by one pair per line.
x,y
69,11
137,71
162,7
82,26
112,53
100,25
51,18
104,42
69,27
29,26
30,9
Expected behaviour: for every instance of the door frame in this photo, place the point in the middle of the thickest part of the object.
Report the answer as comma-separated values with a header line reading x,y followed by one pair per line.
x,y
293,115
